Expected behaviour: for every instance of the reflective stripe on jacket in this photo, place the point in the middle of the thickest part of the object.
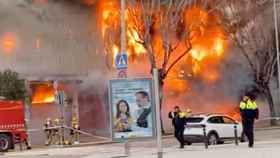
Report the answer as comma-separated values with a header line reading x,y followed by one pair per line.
x,y
249,109
249,105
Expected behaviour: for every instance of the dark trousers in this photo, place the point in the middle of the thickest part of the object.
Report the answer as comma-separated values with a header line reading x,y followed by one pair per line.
x,y
248,129
179,135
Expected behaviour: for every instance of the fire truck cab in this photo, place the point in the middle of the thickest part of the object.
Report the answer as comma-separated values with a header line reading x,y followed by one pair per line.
x,y
12,124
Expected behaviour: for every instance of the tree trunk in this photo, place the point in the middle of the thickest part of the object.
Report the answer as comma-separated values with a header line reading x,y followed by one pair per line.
x,y
269,99
161,101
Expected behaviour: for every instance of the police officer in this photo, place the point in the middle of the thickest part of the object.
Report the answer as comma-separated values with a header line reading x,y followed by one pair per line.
x,y
173,114
249,112
179,121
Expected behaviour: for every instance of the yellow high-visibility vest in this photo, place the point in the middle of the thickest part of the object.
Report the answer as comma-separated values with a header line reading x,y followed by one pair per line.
x,y
184,114
249,105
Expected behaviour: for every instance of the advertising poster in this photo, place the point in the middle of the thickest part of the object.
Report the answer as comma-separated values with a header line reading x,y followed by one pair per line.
x,y
132,108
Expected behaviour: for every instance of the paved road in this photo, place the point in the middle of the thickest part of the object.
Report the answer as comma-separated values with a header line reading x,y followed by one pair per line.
x,y
267,146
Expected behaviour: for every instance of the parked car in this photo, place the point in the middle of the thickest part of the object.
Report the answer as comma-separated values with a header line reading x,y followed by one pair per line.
x,y
219,128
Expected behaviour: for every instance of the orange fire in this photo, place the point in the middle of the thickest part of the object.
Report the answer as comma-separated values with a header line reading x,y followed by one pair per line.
x,y
43,93
208,43
110,20
208,40
230,110
8,42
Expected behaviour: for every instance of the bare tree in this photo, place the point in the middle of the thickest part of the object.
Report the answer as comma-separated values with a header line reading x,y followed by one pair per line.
x,y
253,35
165,31
161,30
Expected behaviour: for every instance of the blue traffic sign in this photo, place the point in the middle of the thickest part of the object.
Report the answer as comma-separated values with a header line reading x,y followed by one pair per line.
x,y
121,61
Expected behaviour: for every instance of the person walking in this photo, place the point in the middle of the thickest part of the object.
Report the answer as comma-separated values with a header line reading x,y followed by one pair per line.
x,y
179,119
249,112
173,114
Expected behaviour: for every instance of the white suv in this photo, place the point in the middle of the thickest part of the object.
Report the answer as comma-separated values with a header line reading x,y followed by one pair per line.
x,y
218,128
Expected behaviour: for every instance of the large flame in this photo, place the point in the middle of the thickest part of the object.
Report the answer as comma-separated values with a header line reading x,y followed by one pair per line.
x,y
43,93
110,20
208,42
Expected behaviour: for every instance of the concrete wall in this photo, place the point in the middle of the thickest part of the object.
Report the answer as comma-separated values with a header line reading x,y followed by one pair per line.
x,y
57,38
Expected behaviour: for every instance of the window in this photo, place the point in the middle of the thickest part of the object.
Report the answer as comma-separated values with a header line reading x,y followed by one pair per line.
x,y
215,119
228,120
194,119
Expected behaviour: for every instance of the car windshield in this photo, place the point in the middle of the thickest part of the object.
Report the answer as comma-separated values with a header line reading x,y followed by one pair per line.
x,y
194,119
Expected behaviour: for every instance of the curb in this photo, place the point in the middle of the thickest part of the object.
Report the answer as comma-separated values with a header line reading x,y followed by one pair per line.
x,y
267,128
167,136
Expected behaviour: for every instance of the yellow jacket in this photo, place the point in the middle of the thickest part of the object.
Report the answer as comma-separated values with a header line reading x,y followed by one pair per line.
x,y
249,105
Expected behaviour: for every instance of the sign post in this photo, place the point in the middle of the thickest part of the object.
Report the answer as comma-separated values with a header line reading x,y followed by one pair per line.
x,y
121,64
157,103
121,60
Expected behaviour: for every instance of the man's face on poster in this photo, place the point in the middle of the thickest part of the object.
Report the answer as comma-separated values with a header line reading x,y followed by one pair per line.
x,y
142,100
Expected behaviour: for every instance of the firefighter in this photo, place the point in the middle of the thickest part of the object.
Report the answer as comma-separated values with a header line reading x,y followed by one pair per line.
x,y
249,112
48,131
56,136
73,132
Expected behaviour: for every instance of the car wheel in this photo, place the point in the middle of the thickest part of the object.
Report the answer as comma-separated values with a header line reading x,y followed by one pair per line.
x,y
5,142
213,139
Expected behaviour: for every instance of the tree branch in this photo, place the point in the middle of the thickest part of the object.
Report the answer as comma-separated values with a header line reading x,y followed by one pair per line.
x,y
177,60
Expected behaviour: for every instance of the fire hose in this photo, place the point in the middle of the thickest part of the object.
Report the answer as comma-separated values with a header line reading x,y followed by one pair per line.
x,y
70,128
61,135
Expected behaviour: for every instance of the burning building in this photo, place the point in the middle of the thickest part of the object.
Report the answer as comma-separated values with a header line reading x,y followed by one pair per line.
x,y
206,68
47,41
75,42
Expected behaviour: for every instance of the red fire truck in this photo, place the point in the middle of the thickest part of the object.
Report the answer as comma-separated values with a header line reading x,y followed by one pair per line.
x,y
12,125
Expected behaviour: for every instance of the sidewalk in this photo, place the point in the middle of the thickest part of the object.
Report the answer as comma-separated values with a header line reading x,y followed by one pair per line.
x,y
267,146
264,149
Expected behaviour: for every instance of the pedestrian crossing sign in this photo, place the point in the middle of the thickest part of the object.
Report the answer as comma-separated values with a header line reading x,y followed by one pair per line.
x,y
121,61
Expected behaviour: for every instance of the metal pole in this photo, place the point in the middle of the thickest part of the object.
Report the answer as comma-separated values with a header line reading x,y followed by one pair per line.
x,y
277,43
122,73
205,136
235,135
126,148
158,123
123,29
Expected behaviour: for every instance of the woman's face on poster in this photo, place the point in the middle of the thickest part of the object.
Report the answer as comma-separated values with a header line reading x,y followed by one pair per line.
x,y
123,107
